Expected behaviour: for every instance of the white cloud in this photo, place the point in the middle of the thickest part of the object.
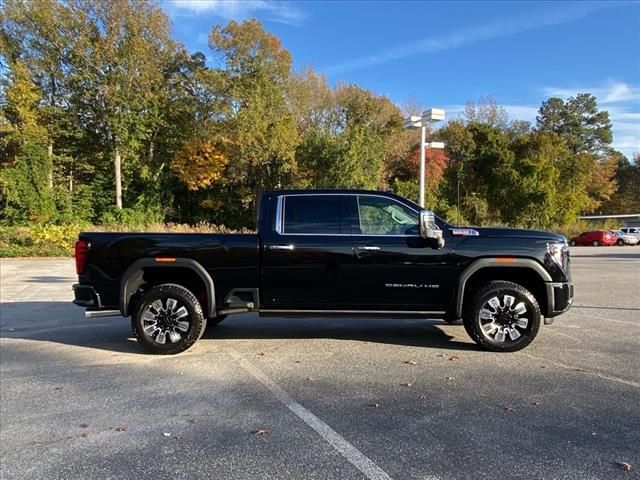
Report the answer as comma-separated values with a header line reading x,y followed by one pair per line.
x,y
275,11
499,28
609,93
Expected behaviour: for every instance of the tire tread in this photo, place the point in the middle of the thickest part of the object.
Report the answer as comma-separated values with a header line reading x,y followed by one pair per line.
x,y
200,320
472,305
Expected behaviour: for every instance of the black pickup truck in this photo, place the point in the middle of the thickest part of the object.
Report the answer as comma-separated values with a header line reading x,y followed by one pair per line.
x,y
323,253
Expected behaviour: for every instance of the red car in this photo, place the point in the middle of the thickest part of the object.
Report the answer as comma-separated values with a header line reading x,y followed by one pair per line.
x,y
595,238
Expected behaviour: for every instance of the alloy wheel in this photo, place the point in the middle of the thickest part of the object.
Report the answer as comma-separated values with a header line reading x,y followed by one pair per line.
x,y
165,321
502,319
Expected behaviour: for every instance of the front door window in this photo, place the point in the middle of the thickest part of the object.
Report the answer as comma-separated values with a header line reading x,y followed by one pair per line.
x,y
383,216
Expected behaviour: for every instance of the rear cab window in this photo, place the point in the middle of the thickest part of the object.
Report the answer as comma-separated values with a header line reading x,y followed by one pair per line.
x,y
314,214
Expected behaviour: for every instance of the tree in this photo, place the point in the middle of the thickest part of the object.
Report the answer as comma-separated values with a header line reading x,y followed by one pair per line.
x,y
24,166
258,128
627,198
199,164
578,121
347,135
487,111
20,106
533,194
120,50
35,32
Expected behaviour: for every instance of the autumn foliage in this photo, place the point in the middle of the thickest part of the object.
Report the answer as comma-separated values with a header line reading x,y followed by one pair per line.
x,y
435,166
199,163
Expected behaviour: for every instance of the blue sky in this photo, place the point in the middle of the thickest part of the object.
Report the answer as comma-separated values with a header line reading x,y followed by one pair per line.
x,y
442,54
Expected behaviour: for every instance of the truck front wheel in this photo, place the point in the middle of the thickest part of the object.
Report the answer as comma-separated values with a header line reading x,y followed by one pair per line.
x,y
168,319
502,317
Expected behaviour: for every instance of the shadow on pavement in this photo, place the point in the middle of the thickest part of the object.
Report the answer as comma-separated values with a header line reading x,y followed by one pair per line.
x,y
64,323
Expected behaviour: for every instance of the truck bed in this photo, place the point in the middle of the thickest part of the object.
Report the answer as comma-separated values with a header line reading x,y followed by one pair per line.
x,y
232,259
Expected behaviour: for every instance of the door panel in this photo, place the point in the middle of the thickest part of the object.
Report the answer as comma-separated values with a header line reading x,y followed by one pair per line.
x,y
402,273
308,263
396,269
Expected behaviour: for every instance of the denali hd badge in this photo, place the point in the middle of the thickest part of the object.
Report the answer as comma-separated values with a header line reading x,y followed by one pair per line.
x,y
410,285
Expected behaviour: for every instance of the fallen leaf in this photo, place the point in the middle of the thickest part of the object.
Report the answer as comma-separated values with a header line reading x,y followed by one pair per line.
x,y
411,362
625,466
84,425
85,435
507,408
166,434
408,384
121,429
262,431
261,354
453,358
543,366
298,361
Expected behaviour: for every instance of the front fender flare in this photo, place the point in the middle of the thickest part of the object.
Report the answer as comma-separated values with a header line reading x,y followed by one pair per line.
x,y
132,277
495,262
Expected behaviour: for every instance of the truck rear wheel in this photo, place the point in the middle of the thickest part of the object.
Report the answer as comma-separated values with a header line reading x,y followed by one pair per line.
x,y
168,319
502,317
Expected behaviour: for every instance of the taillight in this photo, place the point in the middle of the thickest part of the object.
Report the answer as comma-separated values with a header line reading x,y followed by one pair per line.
x,y
82,252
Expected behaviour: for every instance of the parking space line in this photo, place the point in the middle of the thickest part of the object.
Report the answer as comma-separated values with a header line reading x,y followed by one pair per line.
x,y
584,370
346,449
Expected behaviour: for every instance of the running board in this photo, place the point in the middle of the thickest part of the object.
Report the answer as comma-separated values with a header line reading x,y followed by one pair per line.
x,y
102,313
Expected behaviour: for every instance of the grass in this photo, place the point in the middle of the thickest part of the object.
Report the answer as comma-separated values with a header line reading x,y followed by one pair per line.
x,y
59,240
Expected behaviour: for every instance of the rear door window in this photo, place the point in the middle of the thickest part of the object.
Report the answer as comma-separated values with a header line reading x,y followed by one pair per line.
x,y
314,214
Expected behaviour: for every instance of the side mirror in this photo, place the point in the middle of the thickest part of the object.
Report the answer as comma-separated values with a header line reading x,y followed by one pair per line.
x,y
429,230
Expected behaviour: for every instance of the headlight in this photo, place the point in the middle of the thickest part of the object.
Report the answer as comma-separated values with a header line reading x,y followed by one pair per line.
x,y
559,253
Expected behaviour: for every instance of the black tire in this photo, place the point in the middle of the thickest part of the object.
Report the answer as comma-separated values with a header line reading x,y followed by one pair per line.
x,y
596,243
511,318
212,322
620,242
572,243
169,322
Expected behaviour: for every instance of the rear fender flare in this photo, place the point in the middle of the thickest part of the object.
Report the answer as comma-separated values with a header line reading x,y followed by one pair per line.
x,y
132,279
496,262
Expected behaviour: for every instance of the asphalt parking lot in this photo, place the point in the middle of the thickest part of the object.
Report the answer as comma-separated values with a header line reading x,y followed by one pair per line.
x,y
330,399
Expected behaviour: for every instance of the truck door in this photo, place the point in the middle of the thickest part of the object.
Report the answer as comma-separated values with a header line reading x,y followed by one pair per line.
x,y
396,269
307,257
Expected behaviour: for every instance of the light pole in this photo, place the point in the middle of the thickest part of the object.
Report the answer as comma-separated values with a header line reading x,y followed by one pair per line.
x,y
428,118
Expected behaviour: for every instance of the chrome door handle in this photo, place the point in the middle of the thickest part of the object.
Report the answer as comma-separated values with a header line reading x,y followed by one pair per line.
x,y
280,247
368,248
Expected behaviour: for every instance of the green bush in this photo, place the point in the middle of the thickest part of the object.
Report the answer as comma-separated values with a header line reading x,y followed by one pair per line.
x,y
59,240
24,188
